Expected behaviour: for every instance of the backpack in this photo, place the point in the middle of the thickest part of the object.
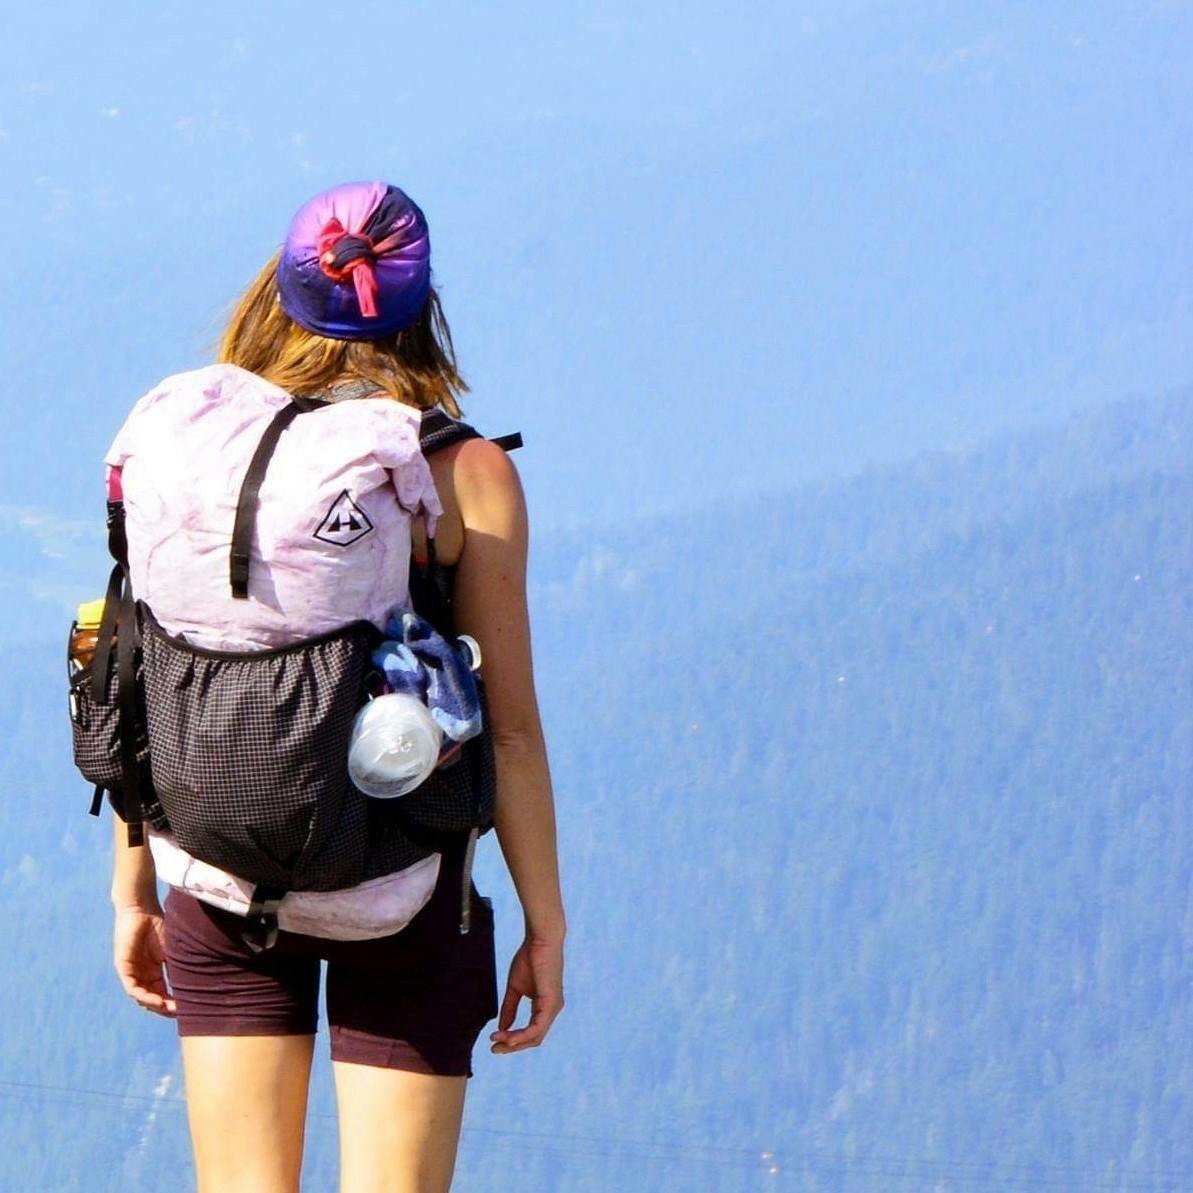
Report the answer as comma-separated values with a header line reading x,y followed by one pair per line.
x,y
240,754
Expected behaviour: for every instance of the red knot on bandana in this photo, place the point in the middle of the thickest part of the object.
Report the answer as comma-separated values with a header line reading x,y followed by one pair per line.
x,y
343,253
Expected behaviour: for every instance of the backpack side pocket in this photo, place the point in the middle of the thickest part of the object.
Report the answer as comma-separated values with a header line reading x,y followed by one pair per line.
x,y
95,735
457,797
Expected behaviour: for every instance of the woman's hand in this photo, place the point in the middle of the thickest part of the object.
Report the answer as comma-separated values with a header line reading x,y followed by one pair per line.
x,y
139,954
536,973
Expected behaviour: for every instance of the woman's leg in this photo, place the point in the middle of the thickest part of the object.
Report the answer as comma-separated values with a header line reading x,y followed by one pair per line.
x,y
404,1013
247,1024
246,1101
398,1129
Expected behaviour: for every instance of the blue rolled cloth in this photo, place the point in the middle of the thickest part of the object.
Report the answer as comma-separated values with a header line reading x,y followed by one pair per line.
x,y
417,659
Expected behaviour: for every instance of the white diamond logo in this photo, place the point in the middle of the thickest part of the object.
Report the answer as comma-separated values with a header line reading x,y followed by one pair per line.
x,y
344,523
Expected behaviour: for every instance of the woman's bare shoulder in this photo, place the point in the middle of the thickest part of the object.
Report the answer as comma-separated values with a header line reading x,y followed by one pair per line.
x,y
487,484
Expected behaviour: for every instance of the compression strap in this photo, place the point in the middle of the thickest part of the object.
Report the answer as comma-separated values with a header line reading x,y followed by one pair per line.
x,y
261,922
250,495
119,623
127,642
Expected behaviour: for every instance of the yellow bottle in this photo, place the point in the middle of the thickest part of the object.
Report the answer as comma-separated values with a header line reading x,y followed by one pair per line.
x,y
84,632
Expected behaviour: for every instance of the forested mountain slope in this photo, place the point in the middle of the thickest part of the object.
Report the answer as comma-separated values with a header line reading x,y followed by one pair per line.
x,y
875,818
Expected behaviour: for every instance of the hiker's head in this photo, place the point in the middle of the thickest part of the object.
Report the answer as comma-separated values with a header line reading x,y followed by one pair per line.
x,y
349,294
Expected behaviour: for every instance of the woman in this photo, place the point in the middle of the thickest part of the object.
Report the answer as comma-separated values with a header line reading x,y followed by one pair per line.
x,y
346,310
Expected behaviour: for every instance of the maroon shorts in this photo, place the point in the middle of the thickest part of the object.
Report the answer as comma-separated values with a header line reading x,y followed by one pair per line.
x,y
416,1000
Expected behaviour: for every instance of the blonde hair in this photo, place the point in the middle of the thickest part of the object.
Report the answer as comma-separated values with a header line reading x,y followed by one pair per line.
x,y
416,366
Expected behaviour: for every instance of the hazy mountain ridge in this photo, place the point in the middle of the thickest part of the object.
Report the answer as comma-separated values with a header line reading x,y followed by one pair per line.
x,y
827,522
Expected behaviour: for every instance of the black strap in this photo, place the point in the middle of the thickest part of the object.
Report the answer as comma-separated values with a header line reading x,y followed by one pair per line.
x,y
250,494
466,881
119,623
102,658
508,443
440,430
127,642
261,922
97,801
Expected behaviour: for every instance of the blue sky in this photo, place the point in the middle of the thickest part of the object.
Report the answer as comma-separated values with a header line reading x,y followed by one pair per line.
x,y
691,252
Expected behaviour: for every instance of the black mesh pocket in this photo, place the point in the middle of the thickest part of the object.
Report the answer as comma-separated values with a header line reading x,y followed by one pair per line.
x,y
95,735
249,753
463,794
94,730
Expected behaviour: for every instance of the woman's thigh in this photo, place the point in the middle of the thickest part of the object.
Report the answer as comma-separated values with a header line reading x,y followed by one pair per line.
x,y
399,1129
247,1024
404,1014
246,1101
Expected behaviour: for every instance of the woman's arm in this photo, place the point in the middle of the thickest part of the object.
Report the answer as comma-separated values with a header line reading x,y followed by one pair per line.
x,y
490,604
138,940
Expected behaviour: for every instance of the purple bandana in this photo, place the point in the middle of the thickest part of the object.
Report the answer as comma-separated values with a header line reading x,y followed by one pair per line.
x,y
357,262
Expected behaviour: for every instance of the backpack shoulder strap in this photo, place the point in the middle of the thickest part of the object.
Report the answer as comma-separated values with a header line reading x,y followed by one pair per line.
x,y
250,494
440,430
430,581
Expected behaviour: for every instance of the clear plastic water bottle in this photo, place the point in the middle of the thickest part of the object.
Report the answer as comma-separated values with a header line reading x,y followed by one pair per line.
x,y
394,747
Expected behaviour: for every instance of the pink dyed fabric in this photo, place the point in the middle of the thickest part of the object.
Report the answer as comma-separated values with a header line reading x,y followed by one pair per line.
x,y
320,559
379,907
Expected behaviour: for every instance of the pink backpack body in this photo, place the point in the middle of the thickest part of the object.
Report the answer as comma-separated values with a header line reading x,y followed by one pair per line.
x,y
333,525
262,543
